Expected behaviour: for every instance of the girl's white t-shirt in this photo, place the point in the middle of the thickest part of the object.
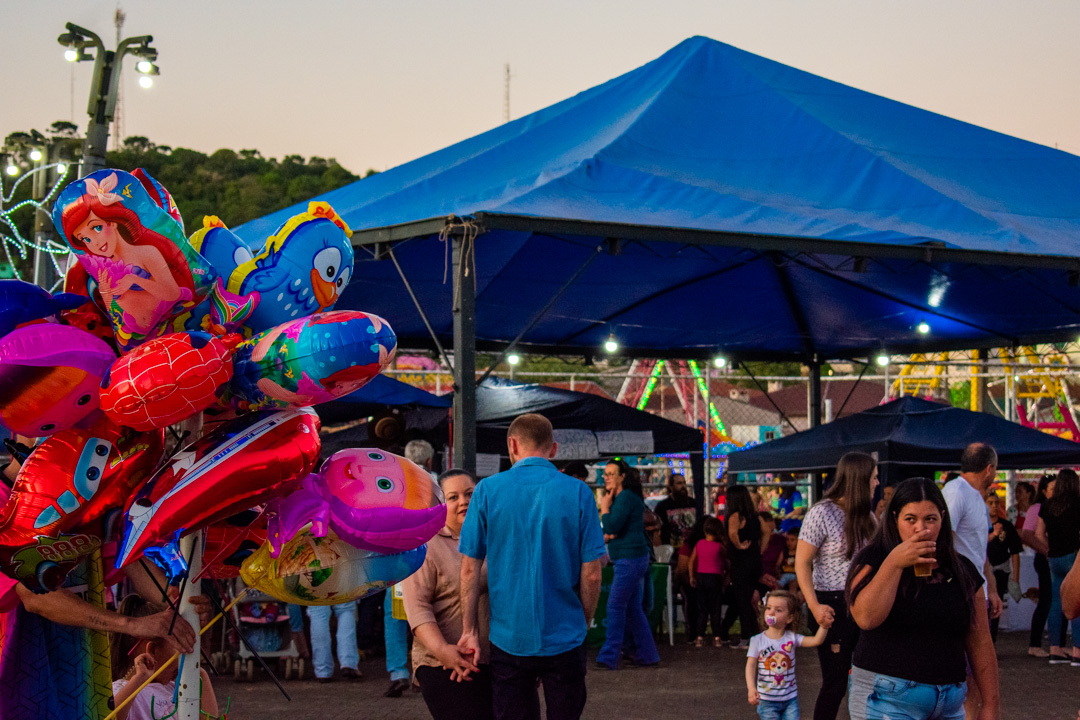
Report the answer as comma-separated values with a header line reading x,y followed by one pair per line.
x,y
775,665
161,694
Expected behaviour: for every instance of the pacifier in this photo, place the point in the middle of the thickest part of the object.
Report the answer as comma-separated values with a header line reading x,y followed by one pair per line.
x,y
770,620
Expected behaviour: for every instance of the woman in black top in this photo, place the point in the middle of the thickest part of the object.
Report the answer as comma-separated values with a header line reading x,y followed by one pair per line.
x,y
1042,570
1059,530
744,536
1003,554
918,632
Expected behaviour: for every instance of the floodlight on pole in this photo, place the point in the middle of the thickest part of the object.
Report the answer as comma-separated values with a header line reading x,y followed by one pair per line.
x,y
882,359
105,84
12,169
71,55
513,358
35,155
719,361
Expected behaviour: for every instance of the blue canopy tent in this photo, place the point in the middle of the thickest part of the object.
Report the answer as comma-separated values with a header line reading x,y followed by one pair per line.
x,y
716,201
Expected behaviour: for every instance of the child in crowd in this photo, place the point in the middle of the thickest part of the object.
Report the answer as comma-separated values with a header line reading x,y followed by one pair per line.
x,y
770,661
707,576
135,659
788,580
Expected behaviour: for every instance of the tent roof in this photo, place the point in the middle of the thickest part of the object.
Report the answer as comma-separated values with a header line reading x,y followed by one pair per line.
x,y
908,432
714,199
498,402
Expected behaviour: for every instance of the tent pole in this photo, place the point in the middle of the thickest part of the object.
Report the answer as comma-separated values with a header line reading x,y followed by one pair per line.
x,y
464,351
814,412
707,480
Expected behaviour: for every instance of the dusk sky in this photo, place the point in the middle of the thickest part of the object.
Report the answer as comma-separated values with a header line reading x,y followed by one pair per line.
x,y
375,83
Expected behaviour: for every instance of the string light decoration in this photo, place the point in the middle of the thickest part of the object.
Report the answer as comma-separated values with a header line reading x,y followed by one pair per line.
x,y
705,393
654,377
11,237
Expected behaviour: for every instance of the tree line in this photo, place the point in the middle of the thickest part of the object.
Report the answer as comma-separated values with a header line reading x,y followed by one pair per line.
x,y
235,185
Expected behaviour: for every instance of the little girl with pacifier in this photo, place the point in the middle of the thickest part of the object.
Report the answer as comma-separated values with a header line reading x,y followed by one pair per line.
x,y
770,663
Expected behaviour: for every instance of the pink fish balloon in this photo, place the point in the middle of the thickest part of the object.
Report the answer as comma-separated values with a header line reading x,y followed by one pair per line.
x,y
372,499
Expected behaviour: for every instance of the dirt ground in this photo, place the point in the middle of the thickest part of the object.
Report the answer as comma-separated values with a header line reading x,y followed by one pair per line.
x,y
690,683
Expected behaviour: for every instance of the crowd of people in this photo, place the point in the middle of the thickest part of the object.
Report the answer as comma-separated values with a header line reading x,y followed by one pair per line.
x,y
899,589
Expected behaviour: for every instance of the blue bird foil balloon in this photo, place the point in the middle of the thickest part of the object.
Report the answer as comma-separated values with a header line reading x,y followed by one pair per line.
x,y
310,360
302,269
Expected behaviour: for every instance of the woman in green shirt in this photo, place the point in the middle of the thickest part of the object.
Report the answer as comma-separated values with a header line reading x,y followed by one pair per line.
x,y
622,511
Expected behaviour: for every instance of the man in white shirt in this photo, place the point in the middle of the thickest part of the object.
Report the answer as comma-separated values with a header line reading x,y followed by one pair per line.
x,y
965,497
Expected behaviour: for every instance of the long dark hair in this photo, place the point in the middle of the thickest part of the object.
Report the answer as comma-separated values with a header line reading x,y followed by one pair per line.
x,y
738,500
631,477
1044,482
852,484
1066,492
887,537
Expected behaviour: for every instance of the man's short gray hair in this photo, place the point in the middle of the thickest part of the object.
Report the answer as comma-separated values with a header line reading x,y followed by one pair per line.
x,y
420,452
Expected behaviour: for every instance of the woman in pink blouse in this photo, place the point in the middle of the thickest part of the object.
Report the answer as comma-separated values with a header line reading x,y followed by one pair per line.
x,y
432,598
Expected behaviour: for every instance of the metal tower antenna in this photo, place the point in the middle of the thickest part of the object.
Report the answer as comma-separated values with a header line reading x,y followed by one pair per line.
x,y
118,119
506,95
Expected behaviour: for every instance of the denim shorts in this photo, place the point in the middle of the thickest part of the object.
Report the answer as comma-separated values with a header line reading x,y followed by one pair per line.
x,y
782,710
872,696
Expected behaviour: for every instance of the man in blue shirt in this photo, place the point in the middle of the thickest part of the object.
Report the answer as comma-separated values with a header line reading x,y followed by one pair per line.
x,y
540,533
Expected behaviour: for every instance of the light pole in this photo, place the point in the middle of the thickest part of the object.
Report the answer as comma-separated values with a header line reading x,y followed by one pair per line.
x,y
79,42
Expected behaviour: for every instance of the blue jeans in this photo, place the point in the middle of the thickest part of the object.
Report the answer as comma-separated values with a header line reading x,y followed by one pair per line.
x,y
1059,568
396,635
782,710
321,650
296,618
625,612
872,696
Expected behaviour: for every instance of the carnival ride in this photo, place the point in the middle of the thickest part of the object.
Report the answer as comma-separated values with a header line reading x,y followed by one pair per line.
x,y
1033,380
689,383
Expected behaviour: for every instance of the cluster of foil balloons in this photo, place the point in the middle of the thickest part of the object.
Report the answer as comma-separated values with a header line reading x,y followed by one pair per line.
x,y
157,331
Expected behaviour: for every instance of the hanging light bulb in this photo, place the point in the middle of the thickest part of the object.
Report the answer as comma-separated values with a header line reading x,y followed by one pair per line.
x,y
923,327
611,345
719,361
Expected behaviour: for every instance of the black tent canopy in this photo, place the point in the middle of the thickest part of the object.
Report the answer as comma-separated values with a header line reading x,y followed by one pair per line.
x,y
618,429
908,434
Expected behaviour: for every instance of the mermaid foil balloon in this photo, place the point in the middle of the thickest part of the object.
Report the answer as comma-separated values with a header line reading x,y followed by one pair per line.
x,y
143,269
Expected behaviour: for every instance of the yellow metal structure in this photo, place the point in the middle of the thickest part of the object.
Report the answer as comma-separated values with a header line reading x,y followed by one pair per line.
x,y
924,375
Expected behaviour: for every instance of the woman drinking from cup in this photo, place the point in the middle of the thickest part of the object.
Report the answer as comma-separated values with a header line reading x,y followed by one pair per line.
x,y
922,612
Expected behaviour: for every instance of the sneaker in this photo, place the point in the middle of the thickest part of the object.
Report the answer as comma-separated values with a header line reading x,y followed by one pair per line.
x,y
700,642
741,645
1059,659
1038,652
